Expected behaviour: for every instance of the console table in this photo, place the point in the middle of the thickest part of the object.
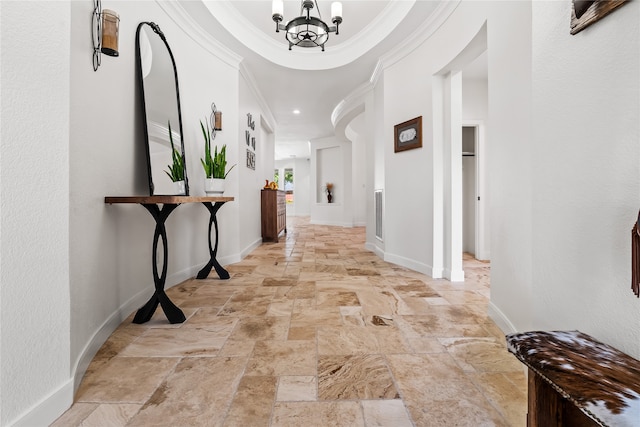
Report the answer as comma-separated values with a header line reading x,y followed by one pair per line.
x,y
160,207
576,381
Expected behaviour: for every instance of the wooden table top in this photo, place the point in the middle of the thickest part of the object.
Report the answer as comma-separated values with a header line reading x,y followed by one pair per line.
x,y
603,382
176,200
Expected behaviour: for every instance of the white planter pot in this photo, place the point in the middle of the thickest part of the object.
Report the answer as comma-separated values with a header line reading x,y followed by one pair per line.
x,y
214,186
179,188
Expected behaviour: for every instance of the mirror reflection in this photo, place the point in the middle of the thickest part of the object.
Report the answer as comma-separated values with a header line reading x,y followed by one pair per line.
x,y
158,81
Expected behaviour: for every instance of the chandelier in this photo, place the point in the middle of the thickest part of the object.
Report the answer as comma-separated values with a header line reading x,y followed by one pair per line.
x,y
307,30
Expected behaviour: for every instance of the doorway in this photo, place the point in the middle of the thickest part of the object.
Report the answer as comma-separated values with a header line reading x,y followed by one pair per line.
x,y
469,190
474,203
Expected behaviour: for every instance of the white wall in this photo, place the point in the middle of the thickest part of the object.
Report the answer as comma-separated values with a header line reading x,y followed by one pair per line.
x,y
331,162
34,202
412,177
96,256
357,134
302,193
252,181
585,152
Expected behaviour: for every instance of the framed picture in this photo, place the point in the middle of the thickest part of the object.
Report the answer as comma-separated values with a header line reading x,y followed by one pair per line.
x,y
408,135
586,12
251,160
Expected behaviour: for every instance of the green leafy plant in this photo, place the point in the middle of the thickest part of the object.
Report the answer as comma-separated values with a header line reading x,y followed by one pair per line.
x,y
176,170
214,165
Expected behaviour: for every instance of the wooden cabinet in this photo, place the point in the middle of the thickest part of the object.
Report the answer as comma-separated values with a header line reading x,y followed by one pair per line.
x,y
274,214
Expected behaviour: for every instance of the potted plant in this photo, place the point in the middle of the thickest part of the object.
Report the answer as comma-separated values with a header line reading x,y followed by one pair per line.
x,y
176,170
214,165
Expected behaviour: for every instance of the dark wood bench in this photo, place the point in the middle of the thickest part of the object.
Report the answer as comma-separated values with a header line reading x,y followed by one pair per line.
x,y
575,380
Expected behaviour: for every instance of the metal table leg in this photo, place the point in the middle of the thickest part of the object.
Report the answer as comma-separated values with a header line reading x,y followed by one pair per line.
x,y
173,313
213,250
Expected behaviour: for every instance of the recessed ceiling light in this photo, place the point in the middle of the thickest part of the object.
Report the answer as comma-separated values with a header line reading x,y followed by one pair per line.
x,y
296,111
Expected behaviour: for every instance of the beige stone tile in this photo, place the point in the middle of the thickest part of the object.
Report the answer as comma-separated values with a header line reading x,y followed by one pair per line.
x,y
462,410
282,358
386,413
279,281
415,289
391,340
197,393
111,415
125,380
302,334
437,301
280,308
75,415
270,271
297,388
352,316
237,348
442,321
318,290
337,299
317,414
252,403
345,340
463,297
384,303
354,377
419,371
507,398
329,316
208,319
421,344
302,290
261,328
195,341
481,355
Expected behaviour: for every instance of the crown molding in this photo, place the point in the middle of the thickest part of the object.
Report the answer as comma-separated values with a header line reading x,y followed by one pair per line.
x,y
179,15
356,98
336,55
352,101
419,36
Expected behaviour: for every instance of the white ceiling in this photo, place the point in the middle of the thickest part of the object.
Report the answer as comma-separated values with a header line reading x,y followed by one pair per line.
x,y
310,80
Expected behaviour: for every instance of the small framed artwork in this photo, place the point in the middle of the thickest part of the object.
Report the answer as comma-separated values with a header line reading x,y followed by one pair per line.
x,y
251,160
408,135
587,12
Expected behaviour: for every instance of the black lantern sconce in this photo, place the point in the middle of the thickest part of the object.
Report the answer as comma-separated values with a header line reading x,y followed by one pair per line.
x,y
106,25
216,120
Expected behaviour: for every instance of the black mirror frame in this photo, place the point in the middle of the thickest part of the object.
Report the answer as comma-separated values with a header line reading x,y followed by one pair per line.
x,y
156,29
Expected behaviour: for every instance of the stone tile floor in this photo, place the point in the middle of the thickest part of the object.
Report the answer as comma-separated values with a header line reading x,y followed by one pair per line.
x,y
311,331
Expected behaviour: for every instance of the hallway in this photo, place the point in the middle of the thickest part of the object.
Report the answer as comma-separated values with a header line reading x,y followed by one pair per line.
x,y
311,331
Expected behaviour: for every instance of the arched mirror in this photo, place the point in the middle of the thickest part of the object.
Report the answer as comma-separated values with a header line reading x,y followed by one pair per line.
x,y
158,80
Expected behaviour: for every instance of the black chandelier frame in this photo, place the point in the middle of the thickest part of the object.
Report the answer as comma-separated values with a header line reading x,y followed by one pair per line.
x,y
307,30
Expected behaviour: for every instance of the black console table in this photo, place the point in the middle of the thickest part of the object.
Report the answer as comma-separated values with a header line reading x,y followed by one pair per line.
x,y
160,207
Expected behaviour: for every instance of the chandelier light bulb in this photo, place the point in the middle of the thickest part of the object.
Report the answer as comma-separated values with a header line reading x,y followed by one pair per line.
x,y
336,11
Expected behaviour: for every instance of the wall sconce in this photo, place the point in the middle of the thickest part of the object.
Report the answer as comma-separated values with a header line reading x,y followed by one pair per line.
x,y
105,33
216,120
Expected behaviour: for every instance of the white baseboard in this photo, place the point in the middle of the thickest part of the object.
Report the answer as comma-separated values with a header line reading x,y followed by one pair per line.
x,y
331,223
48,409
246,251
500,319
437,272
408,263
454,275
375,249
